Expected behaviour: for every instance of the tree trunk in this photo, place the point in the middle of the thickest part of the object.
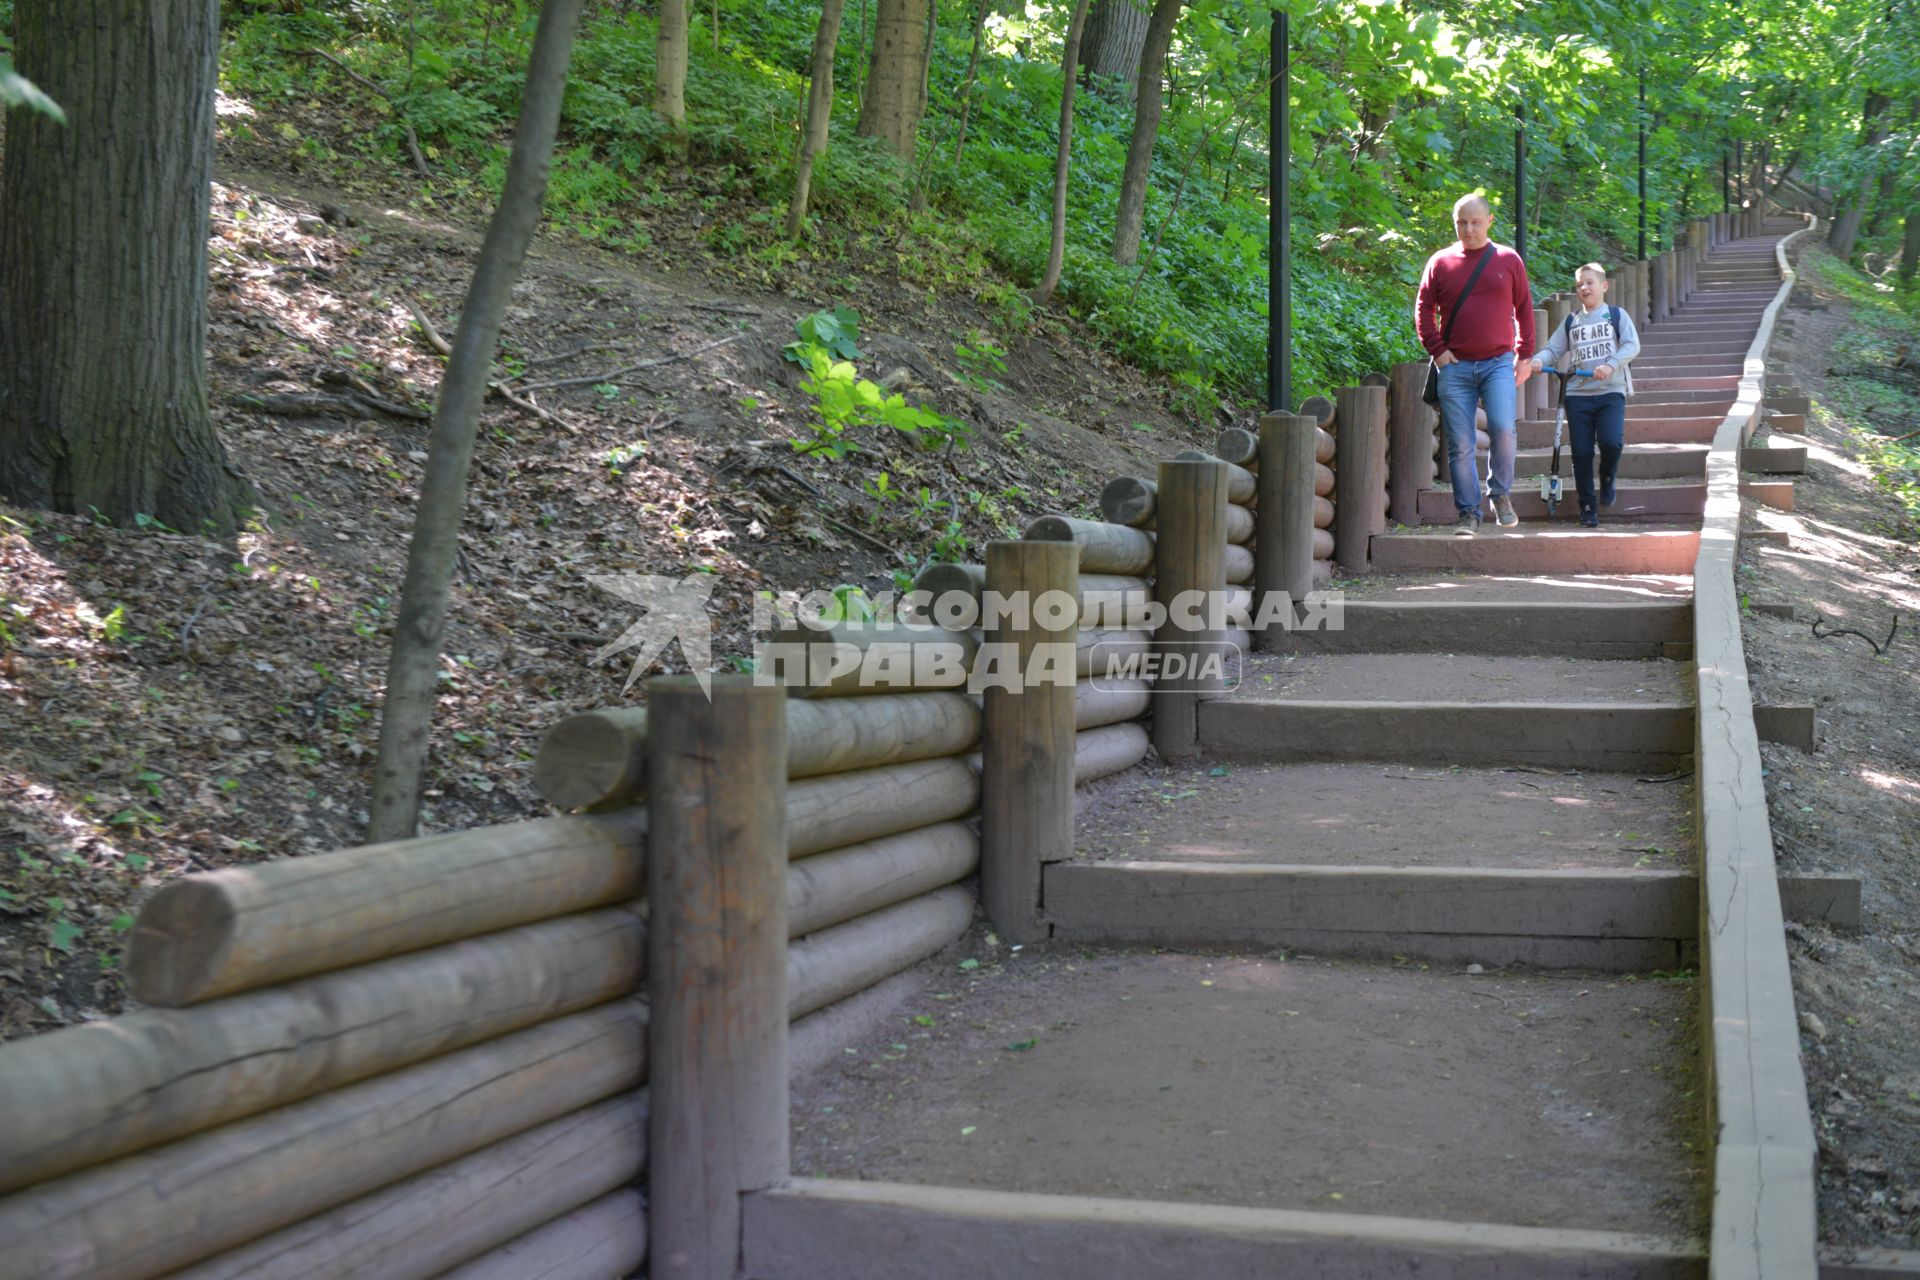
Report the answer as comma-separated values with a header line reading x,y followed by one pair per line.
x,y
1069,71
1131,215
973,73
103,266
670,69
891,111
813,141
1910,250
1846,225
413,674
1113,48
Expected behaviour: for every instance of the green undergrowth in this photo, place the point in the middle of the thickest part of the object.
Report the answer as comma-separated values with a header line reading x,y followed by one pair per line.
x,y
1194,310
1876,382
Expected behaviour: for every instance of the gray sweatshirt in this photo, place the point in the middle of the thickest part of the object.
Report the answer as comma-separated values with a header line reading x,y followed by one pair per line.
x,y
1593,343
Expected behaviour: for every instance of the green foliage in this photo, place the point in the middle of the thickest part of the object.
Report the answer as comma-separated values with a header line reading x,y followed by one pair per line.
x,y
836,331
18,91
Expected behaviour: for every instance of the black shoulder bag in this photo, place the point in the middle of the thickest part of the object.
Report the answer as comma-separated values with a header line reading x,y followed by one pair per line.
x,y
1431,392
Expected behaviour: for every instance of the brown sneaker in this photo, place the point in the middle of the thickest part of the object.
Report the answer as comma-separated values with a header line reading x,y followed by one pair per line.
x,y
1467,525
1503,508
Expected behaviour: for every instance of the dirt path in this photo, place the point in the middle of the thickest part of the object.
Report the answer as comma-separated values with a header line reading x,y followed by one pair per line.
x,y
1853,805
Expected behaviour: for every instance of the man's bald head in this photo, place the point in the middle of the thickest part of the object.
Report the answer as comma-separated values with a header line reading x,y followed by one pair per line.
x,y
1472,220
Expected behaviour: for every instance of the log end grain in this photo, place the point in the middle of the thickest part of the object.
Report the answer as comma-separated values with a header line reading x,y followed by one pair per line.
x,y
593,758
181,939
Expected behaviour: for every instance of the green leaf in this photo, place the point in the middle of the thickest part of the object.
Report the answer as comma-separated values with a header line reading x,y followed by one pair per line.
x,y
1021,1046
121,923
62,934
18,91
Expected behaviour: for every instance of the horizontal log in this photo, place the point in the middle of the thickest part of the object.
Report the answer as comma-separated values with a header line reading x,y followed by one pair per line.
x,y
1319,408
604,1240
598,758
1238,446
851,659
1241,485
1238,563
152,1213
243,927
1109,702
835,963
938,579
849,808
1129,500
1322,514
420,1226
1108,750
843,884
1322,544
91,1093
1104,548
1239,523
1114,601
1322,480
1324,445
1095,648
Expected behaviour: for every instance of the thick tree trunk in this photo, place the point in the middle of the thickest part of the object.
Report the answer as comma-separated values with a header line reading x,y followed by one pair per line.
x,y
891,110
1131,215
103,266
670,67
413,674
1069,71
813,142
1113,49
1910,251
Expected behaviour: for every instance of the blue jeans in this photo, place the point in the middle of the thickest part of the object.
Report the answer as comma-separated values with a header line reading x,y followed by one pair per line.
x,y
1464,386
1594,420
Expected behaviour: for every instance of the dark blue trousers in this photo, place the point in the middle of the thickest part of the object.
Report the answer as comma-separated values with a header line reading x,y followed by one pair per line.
x,y
1592,420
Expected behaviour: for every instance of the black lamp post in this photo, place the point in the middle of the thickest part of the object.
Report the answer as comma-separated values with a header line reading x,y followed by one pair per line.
x,y
1279,228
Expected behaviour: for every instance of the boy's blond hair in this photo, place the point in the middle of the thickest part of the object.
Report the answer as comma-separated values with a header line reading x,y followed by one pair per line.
x,y
1594,267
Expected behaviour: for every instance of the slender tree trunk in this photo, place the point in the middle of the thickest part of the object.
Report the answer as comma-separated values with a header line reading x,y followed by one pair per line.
x,y
1112,52
1910,249
973,72
1069,67
860,63
813,140
670,69
1233,161
420,625
103,266
1846,224
891,109
1131,215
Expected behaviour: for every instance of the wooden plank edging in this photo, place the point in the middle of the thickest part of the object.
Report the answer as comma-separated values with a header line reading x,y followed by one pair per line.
x,y
1763,1183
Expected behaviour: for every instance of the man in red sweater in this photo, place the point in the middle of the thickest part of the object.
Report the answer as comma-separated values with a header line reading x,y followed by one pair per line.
x,y
1472,342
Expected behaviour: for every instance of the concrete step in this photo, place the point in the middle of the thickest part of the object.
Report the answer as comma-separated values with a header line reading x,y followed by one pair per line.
x,y
1537,435
1576,628
1538,548
1638,504
1731,344
1640,462
1662,381
1647,736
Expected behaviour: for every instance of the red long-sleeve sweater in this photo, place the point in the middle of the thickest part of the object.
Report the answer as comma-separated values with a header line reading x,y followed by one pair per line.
x,y
1500,305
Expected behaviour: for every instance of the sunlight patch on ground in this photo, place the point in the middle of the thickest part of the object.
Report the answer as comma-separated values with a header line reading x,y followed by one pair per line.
x,y
225,104
1893,783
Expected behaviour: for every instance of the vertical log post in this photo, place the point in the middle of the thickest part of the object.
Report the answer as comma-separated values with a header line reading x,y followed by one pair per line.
x,y
717,964
1189,567
1027,736
1362,411
1283,552
1536,388
1409,443
1657,282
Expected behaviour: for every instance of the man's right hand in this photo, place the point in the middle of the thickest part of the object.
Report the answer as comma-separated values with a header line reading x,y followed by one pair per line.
x,y
1444,359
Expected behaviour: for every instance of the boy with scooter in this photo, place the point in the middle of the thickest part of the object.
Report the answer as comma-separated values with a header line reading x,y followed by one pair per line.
x,y
1600,339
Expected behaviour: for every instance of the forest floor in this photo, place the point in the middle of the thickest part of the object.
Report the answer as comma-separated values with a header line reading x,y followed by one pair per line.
x,y
1851,807
171,703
